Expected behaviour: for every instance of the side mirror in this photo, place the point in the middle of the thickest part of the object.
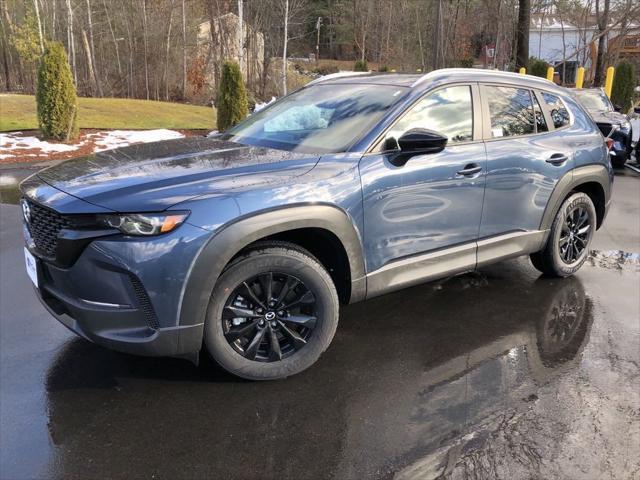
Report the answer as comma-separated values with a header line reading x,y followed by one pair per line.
x,y
617,108
418,141
636,109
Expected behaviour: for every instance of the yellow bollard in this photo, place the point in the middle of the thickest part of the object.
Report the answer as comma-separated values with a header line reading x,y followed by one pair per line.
x,y
608,82
523,71
579,77
550,72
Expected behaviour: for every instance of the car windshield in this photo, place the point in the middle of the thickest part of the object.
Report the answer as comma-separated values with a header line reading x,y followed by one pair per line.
x,y
317,119
594,100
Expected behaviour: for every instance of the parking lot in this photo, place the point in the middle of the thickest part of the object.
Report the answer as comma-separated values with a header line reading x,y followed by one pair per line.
x,y
494,374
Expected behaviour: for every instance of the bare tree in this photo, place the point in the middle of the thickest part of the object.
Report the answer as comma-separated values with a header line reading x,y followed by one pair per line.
x,y
184,53
146,58
522,33
284,48
37,10
603,20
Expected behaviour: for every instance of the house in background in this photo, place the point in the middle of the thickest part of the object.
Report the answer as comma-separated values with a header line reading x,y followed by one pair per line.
x,y
566,46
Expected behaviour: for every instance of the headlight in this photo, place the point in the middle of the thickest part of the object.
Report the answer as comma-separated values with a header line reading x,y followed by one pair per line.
x,y
144,224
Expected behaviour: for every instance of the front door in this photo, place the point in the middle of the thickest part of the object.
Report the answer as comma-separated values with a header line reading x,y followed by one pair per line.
x,y
433,201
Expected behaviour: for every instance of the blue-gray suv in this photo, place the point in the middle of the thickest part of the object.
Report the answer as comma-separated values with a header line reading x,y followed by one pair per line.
x,y
245,244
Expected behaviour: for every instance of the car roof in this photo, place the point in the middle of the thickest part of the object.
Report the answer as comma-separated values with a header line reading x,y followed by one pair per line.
x,y
445,75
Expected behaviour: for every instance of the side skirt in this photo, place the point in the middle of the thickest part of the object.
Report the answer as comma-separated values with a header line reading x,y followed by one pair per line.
x,y
424,267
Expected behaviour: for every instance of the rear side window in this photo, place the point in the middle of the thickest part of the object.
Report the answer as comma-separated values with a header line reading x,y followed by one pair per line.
x,y
511,111
448,111
557,110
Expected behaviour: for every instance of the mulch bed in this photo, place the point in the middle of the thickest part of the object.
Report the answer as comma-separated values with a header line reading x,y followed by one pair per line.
x,y
88,138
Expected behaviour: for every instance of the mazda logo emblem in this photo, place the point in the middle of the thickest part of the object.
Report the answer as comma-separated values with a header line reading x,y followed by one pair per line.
x,y
26,211
270,316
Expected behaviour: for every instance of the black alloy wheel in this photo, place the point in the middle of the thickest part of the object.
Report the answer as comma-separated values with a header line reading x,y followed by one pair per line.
x,y
574,235
269,317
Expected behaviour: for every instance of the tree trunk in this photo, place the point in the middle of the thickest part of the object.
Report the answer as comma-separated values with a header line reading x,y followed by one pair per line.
x,y
93,50
115,41
71,42
144,34
166,59
603,20
284,48
522,33
241,37
37,8
90,67
436,34
184,53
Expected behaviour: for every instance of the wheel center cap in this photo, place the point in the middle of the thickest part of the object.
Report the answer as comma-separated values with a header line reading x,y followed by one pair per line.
x,y
270,316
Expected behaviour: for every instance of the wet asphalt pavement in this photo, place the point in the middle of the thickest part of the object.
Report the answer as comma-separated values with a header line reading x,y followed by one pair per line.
x,y
495,374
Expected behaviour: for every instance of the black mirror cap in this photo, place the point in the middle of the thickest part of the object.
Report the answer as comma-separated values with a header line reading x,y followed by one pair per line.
x,y
636,109
421,140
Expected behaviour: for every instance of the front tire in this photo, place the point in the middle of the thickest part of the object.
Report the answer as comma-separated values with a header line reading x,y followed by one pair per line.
x,y
272,313
567,247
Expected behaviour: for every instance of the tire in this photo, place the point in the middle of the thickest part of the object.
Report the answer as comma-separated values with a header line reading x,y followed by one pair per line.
x,y
311,300
557,261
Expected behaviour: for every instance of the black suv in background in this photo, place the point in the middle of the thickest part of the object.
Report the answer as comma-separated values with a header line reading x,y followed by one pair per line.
x,y
612,123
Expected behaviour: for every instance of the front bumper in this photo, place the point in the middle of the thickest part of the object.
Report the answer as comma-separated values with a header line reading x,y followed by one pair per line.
x,y
125,293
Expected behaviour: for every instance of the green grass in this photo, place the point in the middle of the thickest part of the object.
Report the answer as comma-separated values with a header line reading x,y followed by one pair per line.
x,y
18,112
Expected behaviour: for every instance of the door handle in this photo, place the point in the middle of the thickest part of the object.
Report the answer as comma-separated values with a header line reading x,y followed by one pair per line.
x,y
470,169
557,159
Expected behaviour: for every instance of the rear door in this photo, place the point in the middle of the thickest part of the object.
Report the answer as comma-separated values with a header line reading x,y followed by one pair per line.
x,y
528,150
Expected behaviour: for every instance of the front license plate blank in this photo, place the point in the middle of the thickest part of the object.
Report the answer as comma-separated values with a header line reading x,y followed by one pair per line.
x,y
32,266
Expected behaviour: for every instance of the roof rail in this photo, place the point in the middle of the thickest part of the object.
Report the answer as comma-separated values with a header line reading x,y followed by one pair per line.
x,y
331,76
471,71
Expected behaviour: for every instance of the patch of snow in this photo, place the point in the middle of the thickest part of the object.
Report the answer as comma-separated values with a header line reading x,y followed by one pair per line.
x,y
261,105
122,138
213,133
23,143
14,144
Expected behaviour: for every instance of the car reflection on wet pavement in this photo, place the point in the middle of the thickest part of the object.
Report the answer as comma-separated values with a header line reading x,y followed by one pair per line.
x,y
495,374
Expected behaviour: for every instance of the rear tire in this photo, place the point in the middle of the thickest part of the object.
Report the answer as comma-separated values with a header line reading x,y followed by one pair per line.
x,y
567,247
282,324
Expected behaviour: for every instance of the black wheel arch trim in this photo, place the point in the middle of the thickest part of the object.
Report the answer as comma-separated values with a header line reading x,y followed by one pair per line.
x,y
225,243
597,173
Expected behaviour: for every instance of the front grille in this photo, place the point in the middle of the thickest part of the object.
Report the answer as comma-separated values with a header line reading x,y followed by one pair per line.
x,y
44,226
143,302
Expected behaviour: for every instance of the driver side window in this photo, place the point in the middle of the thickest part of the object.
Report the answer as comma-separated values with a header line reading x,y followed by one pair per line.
x,y
447,111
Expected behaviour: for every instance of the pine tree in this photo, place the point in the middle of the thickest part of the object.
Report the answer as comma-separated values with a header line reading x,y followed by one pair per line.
x,y
232,97
56,95
538,67
361,66
623,83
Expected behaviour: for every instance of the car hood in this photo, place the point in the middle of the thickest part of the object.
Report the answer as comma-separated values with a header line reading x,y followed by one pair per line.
x,y
155,176
603,116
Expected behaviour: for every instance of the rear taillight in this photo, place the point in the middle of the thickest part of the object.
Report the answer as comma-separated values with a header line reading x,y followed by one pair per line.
x,y
609,142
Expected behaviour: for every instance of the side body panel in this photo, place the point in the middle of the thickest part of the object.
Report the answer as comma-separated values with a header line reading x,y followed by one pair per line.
x,y
422,206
